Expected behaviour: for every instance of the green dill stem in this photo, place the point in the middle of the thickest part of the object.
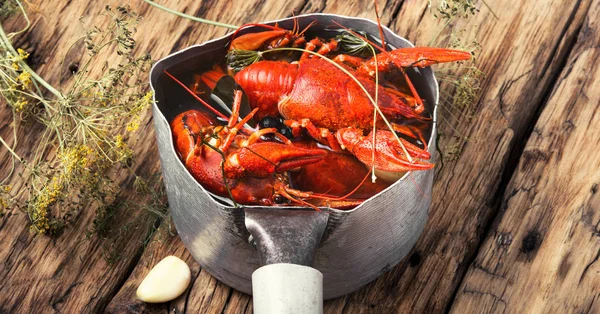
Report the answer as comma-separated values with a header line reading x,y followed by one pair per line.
x,y
11,150
190,17
432,42
26,20
16,141
373,175
489,8
26,67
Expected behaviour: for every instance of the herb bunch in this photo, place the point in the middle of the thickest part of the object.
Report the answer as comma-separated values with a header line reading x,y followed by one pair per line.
x,y
460,82
448,9
83,143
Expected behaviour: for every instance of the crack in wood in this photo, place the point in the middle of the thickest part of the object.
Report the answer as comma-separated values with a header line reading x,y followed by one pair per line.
x,y
127,272
557,45
226,303
505,88
487,271
589,309
395,13
62,297
517,150
587,267
189,292
301,7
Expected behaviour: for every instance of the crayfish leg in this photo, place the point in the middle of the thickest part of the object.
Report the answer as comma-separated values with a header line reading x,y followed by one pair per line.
x,y
324,48
322,135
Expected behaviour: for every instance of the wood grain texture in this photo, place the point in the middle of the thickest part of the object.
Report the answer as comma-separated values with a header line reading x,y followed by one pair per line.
x,y
425,286
70,274
205,295
541,255
521,57
523,53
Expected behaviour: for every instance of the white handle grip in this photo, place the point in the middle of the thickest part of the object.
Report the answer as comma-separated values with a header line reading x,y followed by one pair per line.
x,y
287,289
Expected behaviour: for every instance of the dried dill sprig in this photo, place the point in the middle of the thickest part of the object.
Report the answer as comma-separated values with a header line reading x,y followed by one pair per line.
x,y
460,83
459,91
8,8
85,125
467,77
448,9
352,44
237,59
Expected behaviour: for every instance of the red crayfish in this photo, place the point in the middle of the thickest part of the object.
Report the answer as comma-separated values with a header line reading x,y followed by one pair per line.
x,y
317,95
242,166
331,100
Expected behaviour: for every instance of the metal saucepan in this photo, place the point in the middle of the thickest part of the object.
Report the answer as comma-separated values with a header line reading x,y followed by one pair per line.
x,y
349,248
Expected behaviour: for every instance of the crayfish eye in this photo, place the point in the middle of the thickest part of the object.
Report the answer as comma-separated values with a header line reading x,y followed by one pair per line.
x,y
278,199
270,122
285,131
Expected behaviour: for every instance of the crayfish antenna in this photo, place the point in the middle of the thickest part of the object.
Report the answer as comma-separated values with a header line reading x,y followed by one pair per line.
x,y
206,105
209,107
379,26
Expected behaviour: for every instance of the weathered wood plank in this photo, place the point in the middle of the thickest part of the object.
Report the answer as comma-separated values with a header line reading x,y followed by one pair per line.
x,y
69,274
521,65
205,295
541,255
521,56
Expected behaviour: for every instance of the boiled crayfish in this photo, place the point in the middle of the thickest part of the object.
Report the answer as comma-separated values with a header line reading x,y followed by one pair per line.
x,y
242,166
335,108
332,101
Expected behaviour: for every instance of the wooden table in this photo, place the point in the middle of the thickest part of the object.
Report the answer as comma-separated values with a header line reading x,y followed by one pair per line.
x,y
515,219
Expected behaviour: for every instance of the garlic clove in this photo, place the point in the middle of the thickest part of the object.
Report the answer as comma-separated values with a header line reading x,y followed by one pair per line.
x,y
166,281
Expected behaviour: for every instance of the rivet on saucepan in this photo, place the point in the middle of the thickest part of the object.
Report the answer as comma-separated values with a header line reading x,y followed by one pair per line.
x,y
166,281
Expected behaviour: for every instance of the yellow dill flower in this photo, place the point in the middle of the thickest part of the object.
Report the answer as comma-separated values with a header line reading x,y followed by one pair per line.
x,y
20,105
119,141
3,205
148,97
39,221
86,150
16,66
25,79
133,125
22,54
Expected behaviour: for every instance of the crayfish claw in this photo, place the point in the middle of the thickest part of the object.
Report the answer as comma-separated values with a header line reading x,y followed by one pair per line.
x,y
413,57
265,158
389,154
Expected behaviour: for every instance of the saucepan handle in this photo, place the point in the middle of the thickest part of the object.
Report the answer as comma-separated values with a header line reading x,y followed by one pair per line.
x,y
287,288
286,242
